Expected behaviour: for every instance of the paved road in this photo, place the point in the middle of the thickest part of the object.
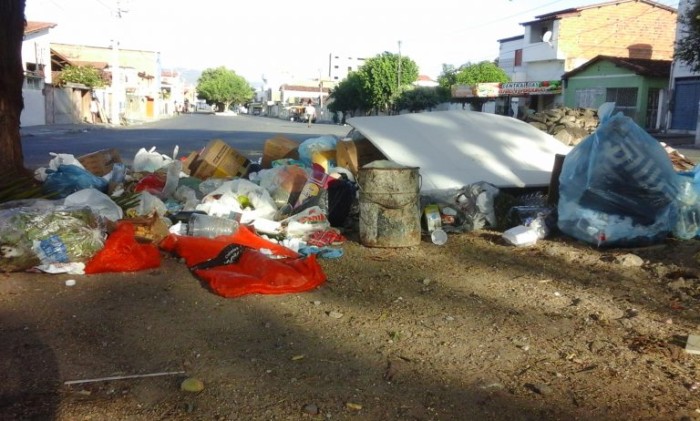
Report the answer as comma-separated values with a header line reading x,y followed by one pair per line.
x,y
246,134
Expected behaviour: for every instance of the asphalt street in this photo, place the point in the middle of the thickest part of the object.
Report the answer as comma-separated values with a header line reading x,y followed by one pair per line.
x,y
188,132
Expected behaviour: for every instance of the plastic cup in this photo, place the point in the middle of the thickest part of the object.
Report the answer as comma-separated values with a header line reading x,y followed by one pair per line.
x,y
201,225
439,237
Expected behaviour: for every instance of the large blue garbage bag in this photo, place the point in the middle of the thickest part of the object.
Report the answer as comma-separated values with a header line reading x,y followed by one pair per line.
x,y
618,187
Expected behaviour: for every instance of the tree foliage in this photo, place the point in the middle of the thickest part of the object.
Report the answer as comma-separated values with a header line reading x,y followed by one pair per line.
x,y
348,96
223,86
419,98
483,72
688,47
85,75
380,78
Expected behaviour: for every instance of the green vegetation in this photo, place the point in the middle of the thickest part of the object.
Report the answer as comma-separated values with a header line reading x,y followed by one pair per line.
x,y
223,86
688,48
85,75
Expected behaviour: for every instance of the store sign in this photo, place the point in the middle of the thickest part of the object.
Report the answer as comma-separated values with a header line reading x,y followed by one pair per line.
x,y
492,90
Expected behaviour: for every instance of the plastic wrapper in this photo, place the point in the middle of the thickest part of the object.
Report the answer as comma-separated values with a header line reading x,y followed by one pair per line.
x,y
29,236
618,187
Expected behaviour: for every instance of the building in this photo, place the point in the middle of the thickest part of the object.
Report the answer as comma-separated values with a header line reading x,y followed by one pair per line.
x,y
137,91
36,63
558,42
685,89
340,66
637,86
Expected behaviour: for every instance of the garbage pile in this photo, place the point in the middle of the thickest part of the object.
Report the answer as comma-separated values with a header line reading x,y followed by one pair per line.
x,y
245,227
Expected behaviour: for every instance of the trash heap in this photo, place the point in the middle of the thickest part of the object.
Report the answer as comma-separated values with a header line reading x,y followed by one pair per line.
x,y
245,227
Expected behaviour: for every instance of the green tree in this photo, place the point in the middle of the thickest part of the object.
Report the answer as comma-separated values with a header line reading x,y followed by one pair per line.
x,y
85,75
380,78
688,47
223,86
348,96
471,74
419,98
483,72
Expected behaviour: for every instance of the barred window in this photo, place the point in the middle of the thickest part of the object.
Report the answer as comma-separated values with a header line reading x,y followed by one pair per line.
x,y
625,100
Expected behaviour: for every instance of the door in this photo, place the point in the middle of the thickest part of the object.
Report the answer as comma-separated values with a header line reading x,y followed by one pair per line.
x,y
652,108
685,104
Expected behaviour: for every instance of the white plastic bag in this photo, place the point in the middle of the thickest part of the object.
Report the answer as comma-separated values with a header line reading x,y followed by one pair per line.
x,y
98,202
149,160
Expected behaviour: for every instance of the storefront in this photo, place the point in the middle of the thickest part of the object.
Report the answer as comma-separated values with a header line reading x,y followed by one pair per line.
x,y
510,98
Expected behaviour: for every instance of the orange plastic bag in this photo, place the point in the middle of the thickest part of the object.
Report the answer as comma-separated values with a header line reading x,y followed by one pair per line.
x,y
253,272
122,253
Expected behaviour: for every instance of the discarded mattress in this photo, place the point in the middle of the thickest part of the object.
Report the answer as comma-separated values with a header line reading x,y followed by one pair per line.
x,y
458,148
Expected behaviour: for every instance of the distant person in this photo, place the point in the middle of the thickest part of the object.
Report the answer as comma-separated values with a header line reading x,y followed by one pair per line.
x,y
186,108
310,111
94,110
177,108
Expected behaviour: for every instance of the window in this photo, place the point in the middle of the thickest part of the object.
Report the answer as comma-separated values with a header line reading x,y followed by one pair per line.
x,y
625,100
518,57
349,68
589,98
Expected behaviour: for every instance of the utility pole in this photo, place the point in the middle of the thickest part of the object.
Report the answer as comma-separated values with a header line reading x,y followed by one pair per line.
x,y
399,75
116,74
320,92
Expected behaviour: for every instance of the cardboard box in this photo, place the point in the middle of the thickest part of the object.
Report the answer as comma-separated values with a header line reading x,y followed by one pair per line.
x,y
219,160
100,162
279,147
354,154
188,161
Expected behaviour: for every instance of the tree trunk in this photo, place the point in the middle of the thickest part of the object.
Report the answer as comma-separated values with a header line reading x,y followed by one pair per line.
x,y
12,24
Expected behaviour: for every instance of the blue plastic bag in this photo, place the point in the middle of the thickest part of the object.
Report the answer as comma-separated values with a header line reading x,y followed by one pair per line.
x,y
67,179
618,187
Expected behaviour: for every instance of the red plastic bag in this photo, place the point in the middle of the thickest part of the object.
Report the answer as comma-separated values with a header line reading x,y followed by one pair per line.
x,y
253,272
122,253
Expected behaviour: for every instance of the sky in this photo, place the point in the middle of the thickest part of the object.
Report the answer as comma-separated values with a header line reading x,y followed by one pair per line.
x,y
286,39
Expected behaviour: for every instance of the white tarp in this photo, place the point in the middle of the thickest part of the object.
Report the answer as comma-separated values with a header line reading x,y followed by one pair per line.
x,y
458,148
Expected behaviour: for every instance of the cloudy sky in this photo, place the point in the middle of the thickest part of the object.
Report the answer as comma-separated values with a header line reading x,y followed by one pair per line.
x,y
286,38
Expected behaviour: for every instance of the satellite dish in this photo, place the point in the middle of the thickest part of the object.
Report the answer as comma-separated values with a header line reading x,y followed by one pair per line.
x,y
547,37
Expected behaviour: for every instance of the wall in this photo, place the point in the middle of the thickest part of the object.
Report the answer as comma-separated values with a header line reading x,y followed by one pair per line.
x,y
33,113
625,29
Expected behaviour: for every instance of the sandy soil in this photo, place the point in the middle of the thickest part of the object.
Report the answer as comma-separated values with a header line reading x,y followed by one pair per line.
x,y
475,329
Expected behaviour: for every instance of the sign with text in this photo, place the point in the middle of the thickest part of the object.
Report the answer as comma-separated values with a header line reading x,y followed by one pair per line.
x,y
492,90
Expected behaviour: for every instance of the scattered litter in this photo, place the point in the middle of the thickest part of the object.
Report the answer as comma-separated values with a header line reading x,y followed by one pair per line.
x,y
70,282
692,346
192,384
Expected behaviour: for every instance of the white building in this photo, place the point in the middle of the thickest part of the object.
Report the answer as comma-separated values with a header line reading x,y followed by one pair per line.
x,y
36,63
685,89
340,65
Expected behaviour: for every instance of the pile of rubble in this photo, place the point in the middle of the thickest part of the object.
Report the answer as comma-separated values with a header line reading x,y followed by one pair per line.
x,y
568,125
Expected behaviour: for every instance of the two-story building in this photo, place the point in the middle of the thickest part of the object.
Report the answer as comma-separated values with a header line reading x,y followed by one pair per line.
x,y
36,63
558,42
685,88
137,91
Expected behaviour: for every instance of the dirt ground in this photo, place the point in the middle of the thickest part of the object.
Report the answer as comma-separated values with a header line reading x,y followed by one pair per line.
x,y
475,329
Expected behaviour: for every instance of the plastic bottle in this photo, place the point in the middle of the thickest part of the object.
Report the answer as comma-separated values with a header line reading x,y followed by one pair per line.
x,y
201,225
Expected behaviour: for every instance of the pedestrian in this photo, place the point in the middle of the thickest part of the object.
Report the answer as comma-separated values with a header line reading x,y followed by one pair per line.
x,y
177,108
310,111
186,108
94,110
